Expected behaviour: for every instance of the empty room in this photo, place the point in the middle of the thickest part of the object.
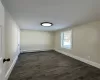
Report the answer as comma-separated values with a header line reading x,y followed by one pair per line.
x,y
49,40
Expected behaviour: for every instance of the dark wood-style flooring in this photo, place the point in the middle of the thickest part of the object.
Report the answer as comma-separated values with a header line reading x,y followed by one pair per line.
x,y
51,65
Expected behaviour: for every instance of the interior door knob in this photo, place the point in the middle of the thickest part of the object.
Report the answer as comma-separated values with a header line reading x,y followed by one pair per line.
x,y
6,60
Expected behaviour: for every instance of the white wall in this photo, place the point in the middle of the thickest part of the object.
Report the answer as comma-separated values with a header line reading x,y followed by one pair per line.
x,y
12,33
85,41
36,40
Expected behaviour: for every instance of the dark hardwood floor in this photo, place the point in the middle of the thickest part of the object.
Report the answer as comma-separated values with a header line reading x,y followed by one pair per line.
x,y
51,65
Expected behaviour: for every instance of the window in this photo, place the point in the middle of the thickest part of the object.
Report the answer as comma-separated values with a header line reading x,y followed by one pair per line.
x,y
66,39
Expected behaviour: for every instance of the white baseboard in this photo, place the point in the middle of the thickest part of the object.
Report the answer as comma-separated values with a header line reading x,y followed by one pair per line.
x,y
80,59
11,68
35,50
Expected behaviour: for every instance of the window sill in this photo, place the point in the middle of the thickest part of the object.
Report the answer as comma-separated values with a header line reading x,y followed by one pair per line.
x,y
66,48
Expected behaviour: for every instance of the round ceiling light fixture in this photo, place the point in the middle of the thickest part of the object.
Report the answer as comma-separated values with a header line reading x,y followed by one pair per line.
x,y
46,24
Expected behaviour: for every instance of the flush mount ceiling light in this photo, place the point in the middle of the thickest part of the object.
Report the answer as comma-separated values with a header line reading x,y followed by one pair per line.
x,y
46,24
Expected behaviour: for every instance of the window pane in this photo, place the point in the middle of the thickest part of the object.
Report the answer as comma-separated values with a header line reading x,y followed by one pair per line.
x,y
66,39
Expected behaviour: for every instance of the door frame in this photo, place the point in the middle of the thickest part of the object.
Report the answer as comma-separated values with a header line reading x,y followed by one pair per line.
x,y
2,52
2,34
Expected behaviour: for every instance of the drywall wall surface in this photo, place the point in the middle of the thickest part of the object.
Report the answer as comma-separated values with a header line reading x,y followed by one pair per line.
x,y
85,41
36,40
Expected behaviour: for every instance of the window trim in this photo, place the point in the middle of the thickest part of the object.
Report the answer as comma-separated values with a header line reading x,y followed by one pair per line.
x,y
62,35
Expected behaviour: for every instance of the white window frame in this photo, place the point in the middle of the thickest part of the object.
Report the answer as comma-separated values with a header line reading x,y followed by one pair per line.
x,y
62,35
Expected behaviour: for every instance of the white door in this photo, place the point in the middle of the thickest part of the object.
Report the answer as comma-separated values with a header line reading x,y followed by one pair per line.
x,y
1,56
2,14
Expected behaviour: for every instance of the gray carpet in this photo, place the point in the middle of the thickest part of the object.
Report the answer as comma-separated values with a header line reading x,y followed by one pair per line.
x,y
51,65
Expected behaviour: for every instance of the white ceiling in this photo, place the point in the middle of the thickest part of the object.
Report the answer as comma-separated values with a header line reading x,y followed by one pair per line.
x,y
62,13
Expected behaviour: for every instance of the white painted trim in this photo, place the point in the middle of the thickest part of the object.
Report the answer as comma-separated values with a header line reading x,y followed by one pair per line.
x,y
0,58
35,50
11,68
95,64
